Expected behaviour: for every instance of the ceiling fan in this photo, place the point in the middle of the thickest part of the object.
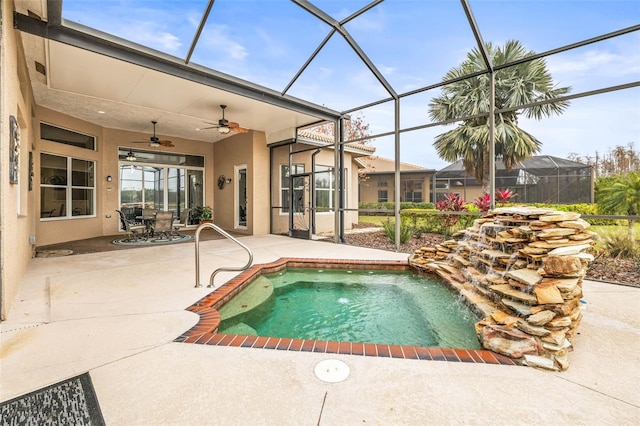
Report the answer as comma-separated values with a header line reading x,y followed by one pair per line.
x,y
225,126
154,141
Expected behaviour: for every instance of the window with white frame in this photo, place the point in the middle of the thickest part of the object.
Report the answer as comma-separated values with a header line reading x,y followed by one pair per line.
x,y
325,188
67,187
298,188
383,196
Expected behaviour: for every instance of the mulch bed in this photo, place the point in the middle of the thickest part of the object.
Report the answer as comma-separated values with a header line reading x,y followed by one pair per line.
x,y
622,271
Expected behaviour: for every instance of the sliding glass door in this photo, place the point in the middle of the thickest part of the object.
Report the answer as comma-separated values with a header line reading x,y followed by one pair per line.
x,y
159,186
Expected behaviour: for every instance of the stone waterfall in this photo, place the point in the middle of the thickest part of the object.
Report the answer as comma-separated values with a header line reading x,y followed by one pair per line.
x,y
522,268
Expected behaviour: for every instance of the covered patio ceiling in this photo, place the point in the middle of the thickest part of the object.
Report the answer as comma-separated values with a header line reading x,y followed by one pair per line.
x,y
122,65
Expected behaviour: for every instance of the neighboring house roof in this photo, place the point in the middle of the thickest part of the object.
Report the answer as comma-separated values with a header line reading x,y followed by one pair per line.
x,y
381,165
537,165
310,137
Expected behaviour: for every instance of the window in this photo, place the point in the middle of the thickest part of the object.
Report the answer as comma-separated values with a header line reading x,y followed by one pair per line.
x,y
382,196
382,183
325,189
67,137
67,187
298,188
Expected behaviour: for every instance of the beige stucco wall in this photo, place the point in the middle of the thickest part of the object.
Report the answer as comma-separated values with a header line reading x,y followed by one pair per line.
x,y
369,186
16,201
229,153
258,206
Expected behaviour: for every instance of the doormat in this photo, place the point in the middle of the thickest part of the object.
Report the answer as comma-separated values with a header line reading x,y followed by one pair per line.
x,y
153,241
70,402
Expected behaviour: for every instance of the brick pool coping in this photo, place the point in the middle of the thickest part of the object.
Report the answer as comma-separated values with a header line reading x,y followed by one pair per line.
x,y
205,331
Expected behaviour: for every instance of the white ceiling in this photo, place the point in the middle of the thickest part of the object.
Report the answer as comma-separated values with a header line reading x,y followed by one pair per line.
x,y
81,83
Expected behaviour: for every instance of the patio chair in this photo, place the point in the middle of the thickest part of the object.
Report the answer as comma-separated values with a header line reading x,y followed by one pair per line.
x,y
163,225
182,222
135,231
149,214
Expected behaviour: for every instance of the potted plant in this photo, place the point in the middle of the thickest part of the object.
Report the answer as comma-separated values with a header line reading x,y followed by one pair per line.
x,y
205,214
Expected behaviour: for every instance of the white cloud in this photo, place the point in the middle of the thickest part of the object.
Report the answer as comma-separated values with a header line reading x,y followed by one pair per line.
x,y
326,72
273,47
220,41
163,41
595,62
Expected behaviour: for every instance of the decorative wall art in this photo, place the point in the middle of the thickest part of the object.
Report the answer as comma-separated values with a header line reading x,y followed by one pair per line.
x,y
14,151
31,174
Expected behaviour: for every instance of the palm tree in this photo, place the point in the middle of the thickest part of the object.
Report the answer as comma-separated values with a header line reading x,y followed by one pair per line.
x,y
517,85
621,196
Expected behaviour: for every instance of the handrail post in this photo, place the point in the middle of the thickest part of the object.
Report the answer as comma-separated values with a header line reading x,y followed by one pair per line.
x,y
230,268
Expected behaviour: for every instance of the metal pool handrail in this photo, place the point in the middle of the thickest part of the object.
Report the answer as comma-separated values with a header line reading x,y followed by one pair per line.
x,y
228,268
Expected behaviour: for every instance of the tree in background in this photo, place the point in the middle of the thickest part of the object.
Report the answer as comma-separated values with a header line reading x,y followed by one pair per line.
x,y
615,161
355,128
620,195
514,86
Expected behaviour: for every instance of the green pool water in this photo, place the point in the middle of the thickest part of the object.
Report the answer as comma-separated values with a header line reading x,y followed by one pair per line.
x,y
399,308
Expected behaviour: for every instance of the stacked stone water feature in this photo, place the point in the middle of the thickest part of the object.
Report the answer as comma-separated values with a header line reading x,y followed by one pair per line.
x,y
523,268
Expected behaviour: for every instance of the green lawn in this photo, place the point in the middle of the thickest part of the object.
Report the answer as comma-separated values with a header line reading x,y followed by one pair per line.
x,y
609,230
377,220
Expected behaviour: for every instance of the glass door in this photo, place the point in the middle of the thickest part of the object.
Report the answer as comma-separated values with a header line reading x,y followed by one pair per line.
x,y
176,190
159,186
195,193
241,196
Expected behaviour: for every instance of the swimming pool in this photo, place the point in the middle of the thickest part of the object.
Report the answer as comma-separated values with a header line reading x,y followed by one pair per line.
x,y
206,330
387,307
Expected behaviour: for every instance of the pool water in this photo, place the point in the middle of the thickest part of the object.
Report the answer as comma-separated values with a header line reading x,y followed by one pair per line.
x,y
396,308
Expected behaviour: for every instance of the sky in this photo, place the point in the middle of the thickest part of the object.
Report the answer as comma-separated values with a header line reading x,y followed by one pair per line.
x,y
413,43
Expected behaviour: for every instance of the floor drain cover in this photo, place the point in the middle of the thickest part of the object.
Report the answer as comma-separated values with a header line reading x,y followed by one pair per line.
x,y
332,370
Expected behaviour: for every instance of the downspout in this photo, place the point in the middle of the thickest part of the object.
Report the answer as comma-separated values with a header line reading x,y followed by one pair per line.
x,y
341,182
396,195
336,195
291,191
312,185
271,190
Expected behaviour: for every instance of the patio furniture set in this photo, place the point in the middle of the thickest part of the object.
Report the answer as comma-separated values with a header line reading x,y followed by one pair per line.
x,y
154,225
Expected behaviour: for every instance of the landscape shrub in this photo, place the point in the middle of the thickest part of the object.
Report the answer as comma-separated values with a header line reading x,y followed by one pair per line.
x,y
584,210
391,205
389,228
620,246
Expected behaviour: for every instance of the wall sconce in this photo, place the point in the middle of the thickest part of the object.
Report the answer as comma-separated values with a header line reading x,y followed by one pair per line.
x,y
222,181
109,178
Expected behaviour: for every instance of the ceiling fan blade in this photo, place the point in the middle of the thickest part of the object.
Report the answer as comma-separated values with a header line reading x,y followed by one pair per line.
x,y
166,143
236,127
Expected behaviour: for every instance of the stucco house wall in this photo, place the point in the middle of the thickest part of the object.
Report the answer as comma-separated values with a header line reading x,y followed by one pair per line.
x,y
16,201
380,175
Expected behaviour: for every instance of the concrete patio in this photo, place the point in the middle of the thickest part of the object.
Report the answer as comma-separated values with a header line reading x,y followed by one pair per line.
x,y
115,315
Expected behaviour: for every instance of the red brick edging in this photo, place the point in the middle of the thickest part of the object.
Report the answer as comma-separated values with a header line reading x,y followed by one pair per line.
x,y
205,331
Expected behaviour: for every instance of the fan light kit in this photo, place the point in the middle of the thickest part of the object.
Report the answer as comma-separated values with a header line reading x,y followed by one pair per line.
x,y
131,156
154,141
225,126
